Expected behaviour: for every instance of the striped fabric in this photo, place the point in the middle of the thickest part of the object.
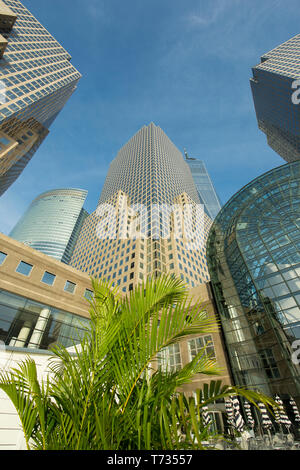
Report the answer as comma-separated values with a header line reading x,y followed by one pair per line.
x,y
284,420
206,419
266,422
229,411
238,419
295,410
250,419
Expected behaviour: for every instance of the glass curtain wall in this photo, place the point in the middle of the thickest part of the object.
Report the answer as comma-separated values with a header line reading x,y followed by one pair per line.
x,y
25,323
253,255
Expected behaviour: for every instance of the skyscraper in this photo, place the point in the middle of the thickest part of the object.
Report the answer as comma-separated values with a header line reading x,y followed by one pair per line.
x,y
53,222
206,191
253,254
149,221
36,80
274,85
148,193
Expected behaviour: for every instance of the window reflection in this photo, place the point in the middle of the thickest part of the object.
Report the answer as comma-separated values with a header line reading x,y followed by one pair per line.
x,y
29,324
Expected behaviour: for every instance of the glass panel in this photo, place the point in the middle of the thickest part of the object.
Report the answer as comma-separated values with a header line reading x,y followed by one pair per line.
x,y
2,257
88,294
195,345
48,278
70,287
24,268
169,358
29,324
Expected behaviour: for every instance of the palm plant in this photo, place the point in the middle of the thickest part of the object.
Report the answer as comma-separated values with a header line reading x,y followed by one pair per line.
x,y
106,392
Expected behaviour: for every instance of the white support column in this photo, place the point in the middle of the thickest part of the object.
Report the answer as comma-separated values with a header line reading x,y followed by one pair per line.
x,y
20,341
39,329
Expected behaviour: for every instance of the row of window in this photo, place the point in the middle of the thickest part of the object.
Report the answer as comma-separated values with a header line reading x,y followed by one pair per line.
x,y
48,278
170,357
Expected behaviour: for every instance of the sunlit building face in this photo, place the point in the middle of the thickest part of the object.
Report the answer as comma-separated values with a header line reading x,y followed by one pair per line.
x,y
142,226
276,90
53,222
36,80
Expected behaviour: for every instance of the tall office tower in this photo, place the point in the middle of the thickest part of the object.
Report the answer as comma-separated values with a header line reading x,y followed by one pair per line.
x,y
253,254
206,191
36,80
53,222
276,98
149,219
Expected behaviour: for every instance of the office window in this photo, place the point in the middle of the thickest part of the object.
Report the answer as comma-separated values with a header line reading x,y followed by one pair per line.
x,y
48,278
169,359
24,268
195,345
2,257
70,287
269,363
88,294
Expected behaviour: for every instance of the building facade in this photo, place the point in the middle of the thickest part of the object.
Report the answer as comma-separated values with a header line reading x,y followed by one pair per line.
x,y
52,223
276,95
149,219
253,254
11,434
36,80
42,301
206,190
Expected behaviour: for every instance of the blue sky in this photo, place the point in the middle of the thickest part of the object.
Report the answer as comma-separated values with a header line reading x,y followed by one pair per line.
x,y
185,65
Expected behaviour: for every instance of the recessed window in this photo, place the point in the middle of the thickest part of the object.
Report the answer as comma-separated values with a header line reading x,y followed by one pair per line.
x,y
70,287
2,257
204,343
4,141
88,294
24,268
48,278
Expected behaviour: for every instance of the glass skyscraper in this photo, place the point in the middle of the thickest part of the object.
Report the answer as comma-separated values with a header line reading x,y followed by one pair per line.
x,y
36,80
206,191
253,254
53,222
273,86
148,177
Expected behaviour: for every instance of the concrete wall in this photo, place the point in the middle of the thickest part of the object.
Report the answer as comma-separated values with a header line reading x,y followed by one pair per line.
x,y
11,434
31,286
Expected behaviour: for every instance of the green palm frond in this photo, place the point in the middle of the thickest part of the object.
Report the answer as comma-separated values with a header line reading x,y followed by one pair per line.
x,y
107,393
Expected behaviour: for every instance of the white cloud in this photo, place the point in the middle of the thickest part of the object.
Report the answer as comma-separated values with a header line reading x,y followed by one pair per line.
x,y
206,19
